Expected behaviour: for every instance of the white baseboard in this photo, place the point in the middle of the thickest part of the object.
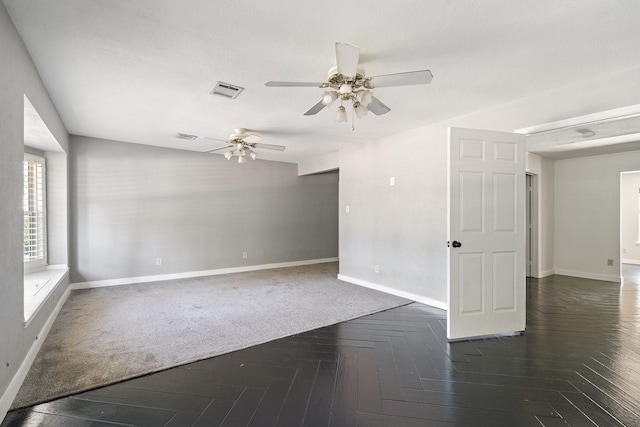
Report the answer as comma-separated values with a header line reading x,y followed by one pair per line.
x,y
393,291
630,261
14,386
547,273
189,274
583,275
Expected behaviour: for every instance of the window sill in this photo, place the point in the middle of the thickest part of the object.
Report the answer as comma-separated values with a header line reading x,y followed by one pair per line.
x,y
38,286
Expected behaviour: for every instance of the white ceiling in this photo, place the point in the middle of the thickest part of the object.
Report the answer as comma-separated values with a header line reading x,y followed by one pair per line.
x,y
141,71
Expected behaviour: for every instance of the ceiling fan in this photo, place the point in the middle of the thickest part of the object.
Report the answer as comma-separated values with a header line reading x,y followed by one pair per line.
x,y
348,82
240,144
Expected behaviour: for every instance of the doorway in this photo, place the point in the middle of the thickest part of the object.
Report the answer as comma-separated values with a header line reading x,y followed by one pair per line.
x,y
629,223
532,229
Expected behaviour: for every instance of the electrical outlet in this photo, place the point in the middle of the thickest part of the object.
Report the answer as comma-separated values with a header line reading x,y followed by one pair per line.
x,y
245,255
376,268
158,261
610,262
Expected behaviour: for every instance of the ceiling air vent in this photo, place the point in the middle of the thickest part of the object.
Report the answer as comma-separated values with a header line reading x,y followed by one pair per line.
x,y
225,89
186,136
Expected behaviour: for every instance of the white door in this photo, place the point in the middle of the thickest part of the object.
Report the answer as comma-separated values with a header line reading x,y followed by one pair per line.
x,y
487,189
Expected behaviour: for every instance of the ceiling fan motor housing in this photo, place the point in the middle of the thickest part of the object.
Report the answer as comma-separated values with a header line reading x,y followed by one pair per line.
x,y
336,80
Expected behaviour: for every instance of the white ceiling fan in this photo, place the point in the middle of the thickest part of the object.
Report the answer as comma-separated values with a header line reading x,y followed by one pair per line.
x,y
240,144
348,82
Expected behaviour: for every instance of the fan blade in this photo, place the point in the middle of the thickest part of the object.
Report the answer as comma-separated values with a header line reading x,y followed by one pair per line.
x,y
217,149
377,107
421,77
294,84
251,138
269,146
347,56
315,109
240,134
213,139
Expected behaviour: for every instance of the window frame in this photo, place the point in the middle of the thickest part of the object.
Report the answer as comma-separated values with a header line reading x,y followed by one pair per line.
x,y
638,241
39,261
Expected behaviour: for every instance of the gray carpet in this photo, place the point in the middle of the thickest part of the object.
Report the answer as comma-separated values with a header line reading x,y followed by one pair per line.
x,y
106,335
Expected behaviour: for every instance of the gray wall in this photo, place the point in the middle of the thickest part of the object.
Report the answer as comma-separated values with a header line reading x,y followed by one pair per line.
x,y
57,209
403,228
133,203
546,219
587,214
18,77
542,170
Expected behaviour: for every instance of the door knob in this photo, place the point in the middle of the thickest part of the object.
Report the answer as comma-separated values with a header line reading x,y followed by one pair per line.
x,y
456,244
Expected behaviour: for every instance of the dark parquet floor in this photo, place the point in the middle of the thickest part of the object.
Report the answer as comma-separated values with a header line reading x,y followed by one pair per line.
x,y
578,364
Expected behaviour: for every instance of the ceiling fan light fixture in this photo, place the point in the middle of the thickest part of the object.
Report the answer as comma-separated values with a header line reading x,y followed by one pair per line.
x,y
240,144
360,110
346,89
342,114
329,96
366,97
347,80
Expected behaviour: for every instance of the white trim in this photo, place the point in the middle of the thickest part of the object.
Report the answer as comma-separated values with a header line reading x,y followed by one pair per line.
x,y
51,278
630,261
393,291
38,264
189,274
606,278
14,386
615,114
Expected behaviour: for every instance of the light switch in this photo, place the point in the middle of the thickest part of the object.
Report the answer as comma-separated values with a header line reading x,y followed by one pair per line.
x,y
346,209
392,181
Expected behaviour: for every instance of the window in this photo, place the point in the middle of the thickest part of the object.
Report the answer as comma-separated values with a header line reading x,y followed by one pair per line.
x,y
35,240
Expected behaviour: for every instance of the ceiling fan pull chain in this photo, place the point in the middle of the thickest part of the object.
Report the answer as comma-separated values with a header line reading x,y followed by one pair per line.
x,y
353,127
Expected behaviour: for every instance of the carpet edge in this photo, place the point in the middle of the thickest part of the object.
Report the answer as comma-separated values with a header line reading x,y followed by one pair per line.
x,y
81,390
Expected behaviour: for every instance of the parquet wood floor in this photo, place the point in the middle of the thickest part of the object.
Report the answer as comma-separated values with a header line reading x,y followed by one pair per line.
x,y
578,364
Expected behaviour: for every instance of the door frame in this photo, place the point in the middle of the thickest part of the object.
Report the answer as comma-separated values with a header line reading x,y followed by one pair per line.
x,y
622,255
532,220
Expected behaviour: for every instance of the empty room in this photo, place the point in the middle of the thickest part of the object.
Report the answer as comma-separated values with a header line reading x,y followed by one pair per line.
x,y
291,213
